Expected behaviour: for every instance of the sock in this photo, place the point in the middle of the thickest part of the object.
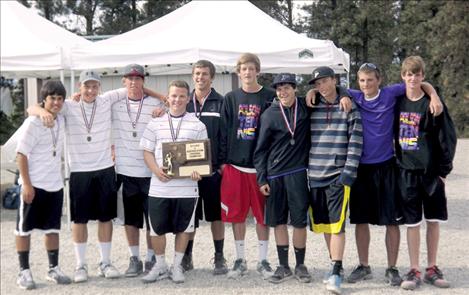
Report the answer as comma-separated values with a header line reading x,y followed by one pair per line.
x,y
263,247
53,256
105,251
239,249
218,245
80,253
300,255
160,259
178,258
190,244
337,267
150,254
134,251
23,257
282,252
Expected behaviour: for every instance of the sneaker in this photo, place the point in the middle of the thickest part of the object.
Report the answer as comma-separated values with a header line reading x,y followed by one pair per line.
x,y
302,274
411,280
177,274
281,274
264,269
57,276
108,271
135,267
187,263
329,273
392,276
157,273
359,273
434,276
25,280
240,268
81,274
333,284
219,264
149,265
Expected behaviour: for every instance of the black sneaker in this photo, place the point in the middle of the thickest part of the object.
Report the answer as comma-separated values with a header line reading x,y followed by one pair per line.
x,y
187,263
411,280
281,274
392,276
360,272
302,274
219,264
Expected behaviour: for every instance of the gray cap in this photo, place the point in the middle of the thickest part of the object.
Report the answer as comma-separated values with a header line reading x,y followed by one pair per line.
x,y
89,75
321,72
134,70
283,78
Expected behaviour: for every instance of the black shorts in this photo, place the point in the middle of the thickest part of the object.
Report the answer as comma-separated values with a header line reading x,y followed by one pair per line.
x,y
373,196
422,195
42,214
329,208
209,204
93,195
168,215
289,195
135,199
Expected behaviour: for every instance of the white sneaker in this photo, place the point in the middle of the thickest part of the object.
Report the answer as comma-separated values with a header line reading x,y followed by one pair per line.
x,y
81,274
108,271
158,272
177,274
265,269
57,276
25,280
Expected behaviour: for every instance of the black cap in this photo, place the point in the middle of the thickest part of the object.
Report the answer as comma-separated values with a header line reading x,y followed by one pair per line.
x,y
283,78
321,72
134,70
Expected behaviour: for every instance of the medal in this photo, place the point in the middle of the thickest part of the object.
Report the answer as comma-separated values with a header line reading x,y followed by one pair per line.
x,y
290,129
90,123
201,106
55,138
54,153
171,128
139,111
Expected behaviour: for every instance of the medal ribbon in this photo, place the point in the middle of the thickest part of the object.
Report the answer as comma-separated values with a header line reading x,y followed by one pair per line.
x,y
140,105
201,106
171,128
55,136
292,131
83,113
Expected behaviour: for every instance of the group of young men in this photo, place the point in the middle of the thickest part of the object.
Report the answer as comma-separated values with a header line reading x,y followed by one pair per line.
x,y
278,155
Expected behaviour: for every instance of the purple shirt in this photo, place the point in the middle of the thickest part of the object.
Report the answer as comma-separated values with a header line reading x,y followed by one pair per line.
x,y
377,121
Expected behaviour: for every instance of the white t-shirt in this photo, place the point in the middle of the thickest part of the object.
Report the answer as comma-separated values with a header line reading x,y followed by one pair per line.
x,y
94,154
36,142
129,154
157,132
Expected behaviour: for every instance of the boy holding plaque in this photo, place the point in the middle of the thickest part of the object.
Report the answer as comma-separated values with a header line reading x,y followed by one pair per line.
x,y
172,202
281,160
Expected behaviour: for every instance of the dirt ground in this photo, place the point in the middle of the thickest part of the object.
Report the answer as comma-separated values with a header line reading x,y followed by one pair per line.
x,y
453,256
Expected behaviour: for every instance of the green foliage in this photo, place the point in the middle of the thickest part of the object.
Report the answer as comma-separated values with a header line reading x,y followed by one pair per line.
x,y
157,8
10,124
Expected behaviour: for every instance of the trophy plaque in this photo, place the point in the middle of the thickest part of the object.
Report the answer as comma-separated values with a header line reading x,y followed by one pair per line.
x,y
181,158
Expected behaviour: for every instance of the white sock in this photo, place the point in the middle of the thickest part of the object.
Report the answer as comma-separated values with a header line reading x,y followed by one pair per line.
x,y
160,260
80,253
178,258
134,251
240,249
105,251
150,254
263,248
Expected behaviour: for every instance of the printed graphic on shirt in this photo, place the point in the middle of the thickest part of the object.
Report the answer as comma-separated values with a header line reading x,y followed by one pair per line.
x,y
409,130
248,116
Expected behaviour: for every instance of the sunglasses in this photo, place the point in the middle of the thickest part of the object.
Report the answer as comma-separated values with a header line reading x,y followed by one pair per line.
x,y
370,66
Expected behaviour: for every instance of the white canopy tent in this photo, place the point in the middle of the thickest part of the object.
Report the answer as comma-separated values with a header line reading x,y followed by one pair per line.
x,y
219,31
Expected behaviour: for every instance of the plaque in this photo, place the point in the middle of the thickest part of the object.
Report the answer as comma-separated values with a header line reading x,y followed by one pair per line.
x,y
181,158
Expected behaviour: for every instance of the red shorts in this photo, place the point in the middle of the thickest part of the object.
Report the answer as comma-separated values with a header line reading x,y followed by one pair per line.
x,y
239,192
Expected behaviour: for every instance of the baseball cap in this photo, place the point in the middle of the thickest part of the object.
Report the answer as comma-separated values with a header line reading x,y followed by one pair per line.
x,y
134,70
321,72
89,75
284,78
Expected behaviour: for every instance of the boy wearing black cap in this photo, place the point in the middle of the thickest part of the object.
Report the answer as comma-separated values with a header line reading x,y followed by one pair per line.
x,y
281,159
336,147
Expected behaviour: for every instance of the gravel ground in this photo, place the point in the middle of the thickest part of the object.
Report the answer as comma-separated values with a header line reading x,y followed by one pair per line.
x,y
453,256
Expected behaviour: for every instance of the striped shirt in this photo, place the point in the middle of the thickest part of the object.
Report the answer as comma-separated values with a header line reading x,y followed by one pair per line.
x,y
157,132
36,142
129,154
94,154
336,144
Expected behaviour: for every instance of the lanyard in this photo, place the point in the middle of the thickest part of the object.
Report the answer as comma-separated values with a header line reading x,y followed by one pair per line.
x,y
88,124
171,128
139,111
287,122
201,106
55,137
